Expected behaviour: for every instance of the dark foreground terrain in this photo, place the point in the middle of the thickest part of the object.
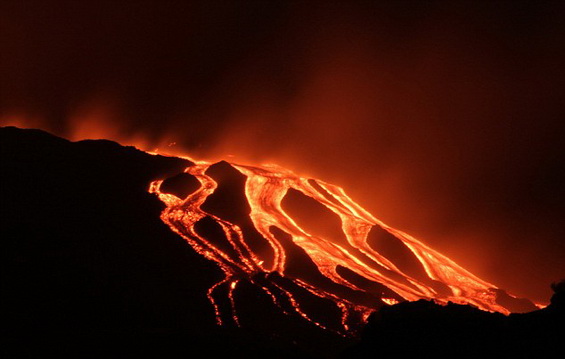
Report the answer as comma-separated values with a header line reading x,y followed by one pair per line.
x,y
427,330
88,270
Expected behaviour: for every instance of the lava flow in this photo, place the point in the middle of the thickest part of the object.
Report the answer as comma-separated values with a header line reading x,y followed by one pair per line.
x,y
351,267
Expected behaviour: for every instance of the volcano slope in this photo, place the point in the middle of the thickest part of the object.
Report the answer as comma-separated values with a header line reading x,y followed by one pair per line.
x,y
89,269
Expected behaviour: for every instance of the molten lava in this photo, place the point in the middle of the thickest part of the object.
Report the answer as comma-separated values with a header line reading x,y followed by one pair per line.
x,y
351,265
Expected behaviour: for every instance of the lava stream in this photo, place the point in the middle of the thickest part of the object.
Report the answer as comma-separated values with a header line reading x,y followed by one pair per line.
x,y
265,188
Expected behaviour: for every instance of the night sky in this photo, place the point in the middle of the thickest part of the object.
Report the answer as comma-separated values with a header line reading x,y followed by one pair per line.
x,y
444,119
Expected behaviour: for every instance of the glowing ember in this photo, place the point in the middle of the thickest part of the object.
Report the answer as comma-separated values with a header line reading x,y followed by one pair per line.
x,y
339,261
389,301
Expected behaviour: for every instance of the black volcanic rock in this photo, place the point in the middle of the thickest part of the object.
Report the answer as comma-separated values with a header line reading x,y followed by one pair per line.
x,y
313,217
389,246
88,269
230,203
513,304
426,329
84,252
557,302
180,185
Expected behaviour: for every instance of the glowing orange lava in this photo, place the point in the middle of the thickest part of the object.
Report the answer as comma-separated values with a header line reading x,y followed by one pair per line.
x,y
265,188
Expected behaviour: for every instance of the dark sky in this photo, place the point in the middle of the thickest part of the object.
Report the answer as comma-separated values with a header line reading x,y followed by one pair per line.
x,y
444,119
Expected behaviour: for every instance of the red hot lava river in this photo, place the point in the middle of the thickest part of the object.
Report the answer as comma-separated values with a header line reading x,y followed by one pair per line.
x,y
349,264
